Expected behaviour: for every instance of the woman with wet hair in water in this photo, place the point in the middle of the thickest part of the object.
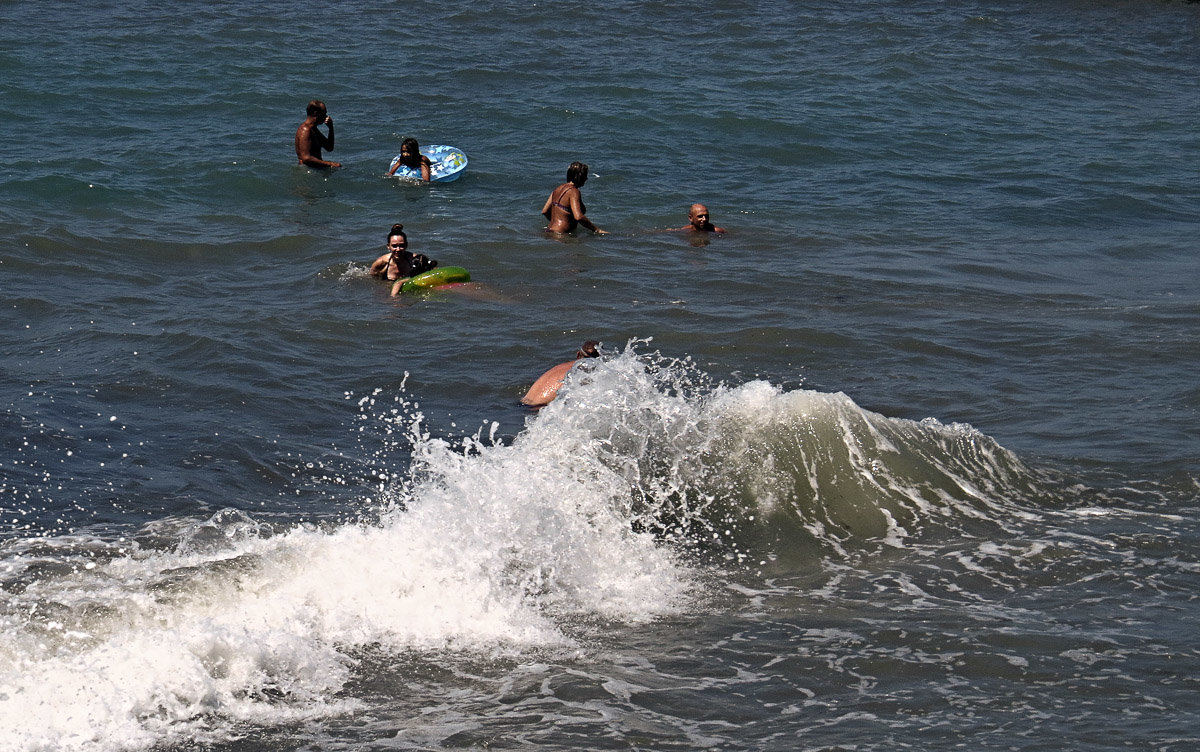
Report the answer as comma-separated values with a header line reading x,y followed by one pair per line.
x,y
400,264
564,209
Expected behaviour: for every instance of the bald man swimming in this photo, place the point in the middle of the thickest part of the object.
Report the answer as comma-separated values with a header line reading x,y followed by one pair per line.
x,y
698,216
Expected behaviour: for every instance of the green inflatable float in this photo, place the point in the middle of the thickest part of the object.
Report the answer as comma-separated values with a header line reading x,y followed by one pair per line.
x,y
443,275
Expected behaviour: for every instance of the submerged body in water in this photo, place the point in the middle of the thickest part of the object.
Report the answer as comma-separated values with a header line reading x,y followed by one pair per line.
x,y
545,389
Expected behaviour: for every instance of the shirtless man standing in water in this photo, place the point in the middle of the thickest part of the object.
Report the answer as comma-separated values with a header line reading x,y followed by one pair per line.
x,y
310,140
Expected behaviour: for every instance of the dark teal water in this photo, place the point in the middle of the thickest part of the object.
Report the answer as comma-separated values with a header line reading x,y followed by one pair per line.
x,y
905,460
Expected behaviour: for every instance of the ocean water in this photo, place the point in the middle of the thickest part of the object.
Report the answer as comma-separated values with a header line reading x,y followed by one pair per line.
x,y
907,459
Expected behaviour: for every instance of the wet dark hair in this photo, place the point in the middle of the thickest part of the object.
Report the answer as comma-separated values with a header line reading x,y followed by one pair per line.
x,y
590,349
577,173
413,159
397,229
316,106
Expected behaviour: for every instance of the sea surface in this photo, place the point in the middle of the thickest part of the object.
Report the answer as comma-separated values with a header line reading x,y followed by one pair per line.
x,y
908,459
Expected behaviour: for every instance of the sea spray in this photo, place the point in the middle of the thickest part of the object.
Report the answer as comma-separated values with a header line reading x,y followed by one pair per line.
x,y
618,503
478,548
747,473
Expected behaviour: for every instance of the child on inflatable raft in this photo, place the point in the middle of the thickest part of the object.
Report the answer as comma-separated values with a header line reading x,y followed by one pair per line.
x,y
411,157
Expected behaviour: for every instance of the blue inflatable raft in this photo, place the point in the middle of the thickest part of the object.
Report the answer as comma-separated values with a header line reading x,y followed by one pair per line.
x,y
447,163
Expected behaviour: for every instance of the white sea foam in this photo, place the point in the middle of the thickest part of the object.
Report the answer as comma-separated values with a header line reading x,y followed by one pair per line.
x,y
496,549
593,512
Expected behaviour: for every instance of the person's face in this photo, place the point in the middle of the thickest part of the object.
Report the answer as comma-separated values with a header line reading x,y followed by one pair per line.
x,y
699,216
397,244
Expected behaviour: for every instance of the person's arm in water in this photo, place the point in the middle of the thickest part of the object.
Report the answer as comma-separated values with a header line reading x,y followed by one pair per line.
x,y
576,204
426,168
396,288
